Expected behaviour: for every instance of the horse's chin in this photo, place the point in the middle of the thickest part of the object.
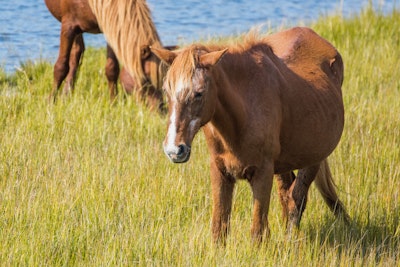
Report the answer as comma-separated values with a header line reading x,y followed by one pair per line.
x,y
182,159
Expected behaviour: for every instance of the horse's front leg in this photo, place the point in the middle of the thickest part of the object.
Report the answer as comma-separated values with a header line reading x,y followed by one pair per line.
x,y
222,190
261,184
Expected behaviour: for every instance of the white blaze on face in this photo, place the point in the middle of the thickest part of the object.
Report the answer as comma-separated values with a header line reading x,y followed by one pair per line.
x,y
170,146
179,87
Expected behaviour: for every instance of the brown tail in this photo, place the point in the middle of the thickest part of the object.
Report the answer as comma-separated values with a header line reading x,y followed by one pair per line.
x,y
326,187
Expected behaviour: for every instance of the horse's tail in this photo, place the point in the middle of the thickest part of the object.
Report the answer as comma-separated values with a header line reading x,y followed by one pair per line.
x,y
326,187
128,27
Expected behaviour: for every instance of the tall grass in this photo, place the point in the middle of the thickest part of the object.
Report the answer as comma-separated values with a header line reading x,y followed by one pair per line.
x,y
85,183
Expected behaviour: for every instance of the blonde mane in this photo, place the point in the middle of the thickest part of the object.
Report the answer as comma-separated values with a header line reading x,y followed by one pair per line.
x,y
184,65
127,26
182,69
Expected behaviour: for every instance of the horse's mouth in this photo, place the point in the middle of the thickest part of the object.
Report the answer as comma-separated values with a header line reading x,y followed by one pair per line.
x,y
181,156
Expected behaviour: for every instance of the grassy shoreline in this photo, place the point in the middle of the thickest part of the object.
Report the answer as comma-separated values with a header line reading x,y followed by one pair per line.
x,y
85,183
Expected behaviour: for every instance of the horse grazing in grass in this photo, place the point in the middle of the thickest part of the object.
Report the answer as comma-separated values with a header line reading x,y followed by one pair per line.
x,y
77,17
267,106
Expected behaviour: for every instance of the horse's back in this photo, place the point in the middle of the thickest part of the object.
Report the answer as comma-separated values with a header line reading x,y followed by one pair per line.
x,y
74,13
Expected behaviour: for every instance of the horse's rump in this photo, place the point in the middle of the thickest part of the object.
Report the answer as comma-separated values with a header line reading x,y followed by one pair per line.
x,y
315,106
305,53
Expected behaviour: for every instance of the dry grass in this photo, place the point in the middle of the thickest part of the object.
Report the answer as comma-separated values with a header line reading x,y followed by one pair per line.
x,y
85,183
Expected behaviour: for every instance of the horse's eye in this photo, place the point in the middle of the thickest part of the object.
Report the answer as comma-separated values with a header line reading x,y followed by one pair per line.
x,y
198,95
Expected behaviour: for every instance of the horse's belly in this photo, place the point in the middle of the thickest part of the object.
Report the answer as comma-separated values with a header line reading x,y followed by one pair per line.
x,y
309,143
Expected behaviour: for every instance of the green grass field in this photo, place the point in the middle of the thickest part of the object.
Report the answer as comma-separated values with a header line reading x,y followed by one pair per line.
x,y
86,183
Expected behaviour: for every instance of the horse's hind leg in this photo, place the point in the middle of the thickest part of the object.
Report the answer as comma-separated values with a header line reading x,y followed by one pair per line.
x,y
77,50
61,67
285,181
112,72
298,195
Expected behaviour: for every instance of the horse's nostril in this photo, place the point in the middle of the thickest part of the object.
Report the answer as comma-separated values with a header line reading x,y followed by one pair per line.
x,y
181,150
178,154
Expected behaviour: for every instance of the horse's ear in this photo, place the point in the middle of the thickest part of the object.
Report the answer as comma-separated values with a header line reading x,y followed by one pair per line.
x,y
145,52
212,58
165,55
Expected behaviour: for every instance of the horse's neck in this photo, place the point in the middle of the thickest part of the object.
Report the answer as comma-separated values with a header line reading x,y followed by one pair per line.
x,y
230,111
127,26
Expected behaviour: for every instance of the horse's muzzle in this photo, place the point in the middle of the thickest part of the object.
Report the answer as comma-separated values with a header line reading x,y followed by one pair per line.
x,y
179,155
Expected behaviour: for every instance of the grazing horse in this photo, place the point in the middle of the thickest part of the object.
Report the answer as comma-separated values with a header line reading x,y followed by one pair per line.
x,y
77,17
152,96
267,106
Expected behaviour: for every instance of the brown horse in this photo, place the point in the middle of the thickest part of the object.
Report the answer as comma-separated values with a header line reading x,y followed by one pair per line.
x,y
128,28
76,17
268,106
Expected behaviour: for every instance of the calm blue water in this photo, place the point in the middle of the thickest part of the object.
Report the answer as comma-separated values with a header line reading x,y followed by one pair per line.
x,y
28,30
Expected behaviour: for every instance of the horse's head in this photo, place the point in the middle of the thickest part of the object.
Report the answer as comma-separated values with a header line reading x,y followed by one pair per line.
x,y
191,100
150,87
